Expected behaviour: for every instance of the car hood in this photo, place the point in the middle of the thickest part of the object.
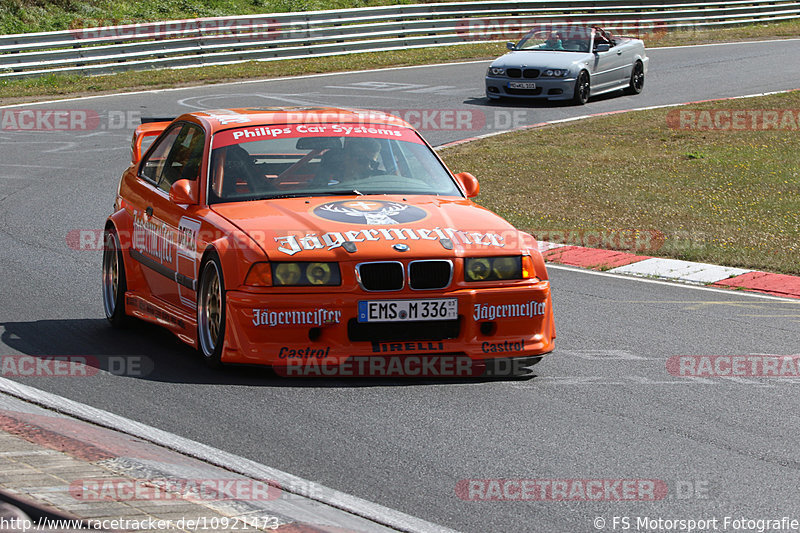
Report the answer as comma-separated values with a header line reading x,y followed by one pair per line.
x,y
372,227
541,59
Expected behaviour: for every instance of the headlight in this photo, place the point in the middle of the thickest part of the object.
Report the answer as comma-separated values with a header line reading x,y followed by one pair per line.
x,y
292,274
477,269
496,71
555,73
492,268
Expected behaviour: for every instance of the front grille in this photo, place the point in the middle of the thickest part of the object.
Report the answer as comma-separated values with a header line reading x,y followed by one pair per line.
x,y
425,275
513,72
381,276
530,73
421,330
524,92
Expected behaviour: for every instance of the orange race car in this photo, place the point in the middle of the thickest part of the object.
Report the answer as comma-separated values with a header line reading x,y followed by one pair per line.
x,y
308,238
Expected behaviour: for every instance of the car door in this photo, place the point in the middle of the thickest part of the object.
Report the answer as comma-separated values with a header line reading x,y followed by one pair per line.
x,y
608,66
167,232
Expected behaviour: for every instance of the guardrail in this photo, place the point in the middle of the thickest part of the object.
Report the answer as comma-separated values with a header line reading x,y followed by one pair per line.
x,y
226,40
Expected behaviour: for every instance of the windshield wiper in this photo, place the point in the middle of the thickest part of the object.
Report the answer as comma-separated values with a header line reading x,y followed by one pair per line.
x,y
342,192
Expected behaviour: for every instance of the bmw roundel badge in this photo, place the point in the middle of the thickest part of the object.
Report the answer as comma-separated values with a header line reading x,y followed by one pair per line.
x,y
400,247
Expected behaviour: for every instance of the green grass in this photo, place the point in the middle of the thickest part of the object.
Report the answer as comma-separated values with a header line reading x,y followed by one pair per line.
x,y
721,197
23,16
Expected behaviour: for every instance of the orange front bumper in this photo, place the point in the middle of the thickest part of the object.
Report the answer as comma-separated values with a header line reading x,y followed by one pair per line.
x,y
292,328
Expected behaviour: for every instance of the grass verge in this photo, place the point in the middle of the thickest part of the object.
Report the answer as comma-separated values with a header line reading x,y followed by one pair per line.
x,y
24,16
54,86
722,197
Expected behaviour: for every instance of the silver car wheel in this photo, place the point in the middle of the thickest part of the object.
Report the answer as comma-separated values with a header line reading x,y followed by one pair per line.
x,y
110,274
209,309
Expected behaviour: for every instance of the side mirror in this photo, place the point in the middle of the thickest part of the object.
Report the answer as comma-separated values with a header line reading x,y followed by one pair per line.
x,y
183,192
511,46
469,183
605,47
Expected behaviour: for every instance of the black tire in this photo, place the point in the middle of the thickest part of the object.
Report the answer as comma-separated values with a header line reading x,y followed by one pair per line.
x,y
114,283
582,89
637,79
211,311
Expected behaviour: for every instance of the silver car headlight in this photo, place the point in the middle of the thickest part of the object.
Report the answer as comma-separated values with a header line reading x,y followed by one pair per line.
x,y
496,71
555,73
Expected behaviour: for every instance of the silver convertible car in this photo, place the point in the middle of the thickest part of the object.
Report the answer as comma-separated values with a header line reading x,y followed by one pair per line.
x,y
568,63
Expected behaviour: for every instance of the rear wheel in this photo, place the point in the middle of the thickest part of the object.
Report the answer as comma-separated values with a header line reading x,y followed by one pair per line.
x,y
637,79
211,311
114,284
582,89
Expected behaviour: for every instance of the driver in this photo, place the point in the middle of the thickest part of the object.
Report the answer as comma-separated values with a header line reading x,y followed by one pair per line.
x,y
360,157
358,160
553,42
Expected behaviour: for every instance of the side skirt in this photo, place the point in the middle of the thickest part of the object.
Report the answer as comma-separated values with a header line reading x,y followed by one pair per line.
x,y
178,321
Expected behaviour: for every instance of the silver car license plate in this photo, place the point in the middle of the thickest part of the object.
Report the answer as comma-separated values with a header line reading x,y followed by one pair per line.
x,y
521,85
407,310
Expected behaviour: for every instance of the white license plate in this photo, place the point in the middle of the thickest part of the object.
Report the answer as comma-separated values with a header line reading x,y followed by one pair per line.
x,y
521,85
407,310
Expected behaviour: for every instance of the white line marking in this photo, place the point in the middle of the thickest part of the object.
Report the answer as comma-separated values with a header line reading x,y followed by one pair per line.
x,y
720,44
729,292
340,500
604,114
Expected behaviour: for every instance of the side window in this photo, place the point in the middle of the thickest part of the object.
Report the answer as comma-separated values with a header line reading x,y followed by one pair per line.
x,y
184,161
153,166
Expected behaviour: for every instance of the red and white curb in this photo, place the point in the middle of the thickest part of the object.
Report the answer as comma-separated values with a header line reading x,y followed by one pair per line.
x,y
616,262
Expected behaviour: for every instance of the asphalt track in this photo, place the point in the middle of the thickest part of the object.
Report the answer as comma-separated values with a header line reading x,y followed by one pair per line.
x,y
603,406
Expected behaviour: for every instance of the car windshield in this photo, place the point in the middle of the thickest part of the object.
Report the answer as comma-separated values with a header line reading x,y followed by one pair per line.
x,y
573,39
294,160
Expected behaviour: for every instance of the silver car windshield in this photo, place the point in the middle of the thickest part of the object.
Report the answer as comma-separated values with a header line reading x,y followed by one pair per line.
x,y
557,40
290,162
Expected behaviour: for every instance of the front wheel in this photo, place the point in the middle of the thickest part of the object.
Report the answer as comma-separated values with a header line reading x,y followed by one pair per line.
x,y
637,79
211,311
114,284
582,89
